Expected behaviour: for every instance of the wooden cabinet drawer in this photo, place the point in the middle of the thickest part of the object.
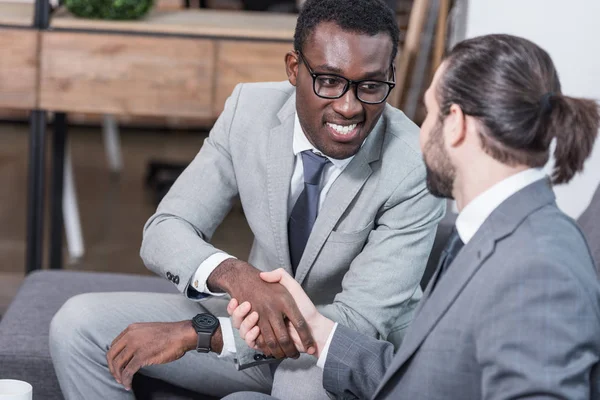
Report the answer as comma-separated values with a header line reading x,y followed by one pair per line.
x,y
127,74
244,61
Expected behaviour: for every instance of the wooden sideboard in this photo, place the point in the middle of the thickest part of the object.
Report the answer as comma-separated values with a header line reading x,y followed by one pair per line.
x,y
171,64
177,64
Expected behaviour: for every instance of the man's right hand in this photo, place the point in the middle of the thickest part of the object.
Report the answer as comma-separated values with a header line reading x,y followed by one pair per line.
x,y
246,320
271,301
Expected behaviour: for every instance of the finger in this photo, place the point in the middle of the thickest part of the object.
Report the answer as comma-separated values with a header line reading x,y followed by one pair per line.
x,y
248,323
302,328
233,303
273,276
115,349
283,337
127,376
120,362
292,286
251,337
239,314
295,338
119,337
270,340
261,345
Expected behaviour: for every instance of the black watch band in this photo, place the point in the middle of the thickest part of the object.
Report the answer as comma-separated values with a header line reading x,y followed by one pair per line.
x,y
205,325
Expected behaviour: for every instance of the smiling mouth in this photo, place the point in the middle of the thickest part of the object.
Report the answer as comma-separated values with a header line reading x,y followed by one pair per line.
x,y
342,129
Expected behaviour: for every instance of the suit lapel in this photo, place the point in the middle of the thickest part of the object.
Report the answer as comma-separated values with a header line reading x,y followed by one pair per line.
x,y
280,167
340,196
434,304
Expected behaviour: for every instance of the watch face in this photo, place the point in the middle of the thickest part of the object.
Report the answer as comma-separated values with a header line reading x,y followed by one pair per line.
x,y
205,321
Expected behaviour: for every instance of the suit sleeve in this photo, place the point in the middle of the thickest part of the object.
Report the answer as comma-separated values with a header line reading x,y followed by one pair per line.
x,y
537,336
355,364
379,288
175,238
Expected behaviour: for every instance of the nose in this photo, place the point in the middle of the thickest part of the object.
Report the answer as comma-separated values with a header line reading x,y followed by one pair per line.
x,y
348,105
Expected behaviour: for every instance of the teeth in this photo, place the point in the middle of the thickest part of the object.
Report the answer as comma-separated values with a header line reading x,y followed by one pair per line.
x,y
343,129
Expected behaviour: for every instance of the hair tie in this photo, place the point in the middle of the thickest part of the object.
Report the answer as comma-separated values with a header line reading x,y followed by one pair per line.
x,y
545,102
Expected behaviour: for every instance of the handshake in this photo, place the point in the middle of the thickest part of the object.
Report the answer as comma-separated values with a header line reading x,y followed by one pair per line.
x,y
315,332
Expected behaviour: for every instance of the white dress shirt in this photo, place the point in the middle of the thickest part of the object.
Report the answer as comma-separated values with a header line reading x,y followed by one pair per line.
x,y
474,215
330,173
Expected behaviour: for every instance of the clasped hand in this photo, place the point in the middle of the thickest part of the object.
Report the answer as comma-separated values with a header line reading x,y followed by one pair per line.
x,y
248,321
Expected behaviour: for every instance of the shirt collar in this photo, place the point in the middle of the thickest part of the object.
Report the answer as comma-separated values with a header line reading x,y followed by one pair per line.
x,y
476,212
300,143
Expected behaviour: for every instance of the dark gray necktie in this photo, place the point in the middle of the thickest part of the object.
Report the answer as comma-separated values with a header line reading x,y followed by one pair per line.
x,y
305,210
453,247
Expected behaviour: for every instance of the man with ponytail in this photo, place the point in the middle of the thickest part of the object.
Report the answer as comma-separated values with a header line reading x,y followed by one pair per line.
x,y
513,309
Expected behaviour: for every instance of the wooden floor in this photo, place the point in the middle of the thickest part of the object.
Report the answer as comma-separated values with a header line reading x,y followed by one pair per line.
x,y
113,209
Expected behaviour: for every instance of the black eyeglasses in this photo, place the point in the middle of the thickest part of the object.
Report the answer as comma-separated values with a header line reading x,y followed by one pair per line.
x,y
333,86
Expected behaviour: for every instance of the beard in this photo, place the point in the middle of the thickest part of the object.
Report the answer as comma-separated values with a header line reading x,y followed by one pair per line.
x,y
440,171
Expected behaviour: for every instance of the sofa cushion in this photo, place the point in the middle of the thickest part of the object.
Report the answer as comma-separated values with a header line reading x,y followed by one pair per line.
x,y
24,348
589,222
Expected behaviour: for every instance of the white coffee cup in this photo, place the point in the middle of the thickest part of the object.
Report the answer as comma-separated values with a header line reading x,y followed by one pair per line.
x,y
11,389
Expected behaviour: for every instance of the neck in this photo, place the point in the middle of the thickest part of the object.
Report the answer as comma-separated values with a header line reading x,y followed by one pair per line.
x,y
473,181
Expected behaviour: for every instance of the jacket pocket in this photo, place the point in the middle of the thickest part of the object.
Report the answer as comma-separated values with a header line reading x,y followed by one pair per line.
x,y
351,237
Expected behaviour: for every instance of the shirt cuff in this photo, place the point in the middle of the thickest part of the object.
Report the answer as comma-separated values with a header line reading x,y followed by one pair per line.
x,y
323,355
200,278
228,339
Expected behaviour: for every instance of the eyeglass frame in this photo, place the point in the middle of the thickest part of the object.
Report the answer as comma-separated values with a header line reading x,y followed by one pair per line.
x,y
349,82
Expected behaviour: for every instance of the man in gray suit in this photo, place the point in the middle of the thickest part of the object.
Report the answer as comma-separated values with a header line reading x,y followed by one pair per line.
x,y
513,310
332,184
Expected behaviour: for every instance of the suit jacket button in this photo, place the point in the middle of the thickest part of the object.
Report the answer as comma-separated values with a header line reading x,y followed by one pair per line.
x,y
169,276
176,280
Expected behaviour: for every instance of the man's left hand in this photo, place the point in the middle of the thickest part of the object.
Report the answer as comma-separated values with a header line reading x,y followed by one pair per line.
x,y
144,344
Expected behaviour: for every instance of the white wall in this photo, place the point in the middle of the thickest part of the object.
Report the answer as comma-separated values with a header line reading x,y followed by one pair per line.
x,y
570,31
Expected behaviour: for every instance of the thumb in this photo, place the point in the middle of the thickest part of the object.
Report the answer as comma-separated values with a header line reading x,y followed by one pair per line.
x,y
273,276
284,279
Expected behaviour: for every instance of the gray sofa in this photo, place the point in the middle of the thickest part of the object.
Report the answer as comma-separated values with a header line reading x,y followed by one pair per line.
x,y
24,329
589,222
24,352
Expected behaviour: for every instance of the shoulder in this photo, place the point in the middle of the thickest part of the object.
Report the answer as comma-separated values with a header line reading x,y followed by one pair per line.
x,y
546,256
402,135
261,94
401,157
253,108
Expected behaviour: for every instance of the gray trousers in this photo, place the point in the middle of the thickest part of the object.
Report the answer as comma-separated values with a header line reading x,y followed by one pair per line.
x,y
83,329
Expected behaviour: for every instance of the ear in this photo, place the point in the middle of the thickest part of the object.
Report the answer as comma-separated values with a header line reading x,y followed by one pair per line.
x,y
455,126
291,66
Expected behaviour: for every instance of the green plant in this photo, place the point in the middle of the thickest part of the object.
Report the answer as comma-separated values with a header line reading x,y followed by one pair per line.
x,y
109,9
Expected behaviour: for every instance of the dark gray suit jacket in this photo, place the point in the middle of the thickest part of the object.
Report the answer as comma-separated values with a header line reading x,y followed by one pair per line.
x,y
517,315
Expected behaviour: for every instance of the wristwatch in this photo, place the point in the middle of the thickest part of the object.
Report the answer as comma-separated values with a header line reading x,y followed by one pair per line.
x,y
205,325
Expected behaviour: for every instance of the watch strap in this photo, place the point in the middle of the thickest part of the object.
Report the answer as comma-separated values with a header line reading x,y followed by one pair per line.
x,y
203,344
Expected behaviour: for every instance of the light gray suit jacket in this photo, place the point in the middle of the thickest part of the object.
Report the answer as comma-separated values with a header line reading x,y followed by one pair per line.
x,y
369,245
517,315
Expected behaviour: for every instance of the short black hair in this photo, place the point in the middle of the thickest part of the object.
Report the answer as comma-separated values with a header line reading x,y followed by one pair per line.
x,y
368,17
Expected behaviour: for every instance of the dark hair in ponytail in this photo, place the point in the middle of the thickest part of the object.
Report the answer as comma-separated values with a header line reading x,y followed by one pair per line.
x,y
574,123
511,86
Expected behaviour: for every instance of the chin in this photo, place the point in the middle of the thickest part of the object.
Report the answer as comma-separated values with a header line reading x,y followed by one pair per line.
x,y
341,153
438,185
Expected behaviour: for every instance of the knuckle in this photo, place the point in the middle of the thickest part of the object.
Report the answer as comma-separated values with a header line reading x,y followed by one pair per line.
x,y
301,324
284,341
271,344
238,312
132,327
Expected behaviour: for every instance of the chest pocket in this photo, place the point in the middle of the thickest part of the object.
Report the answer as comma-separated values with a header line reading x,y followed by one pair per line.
x,y
352,236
